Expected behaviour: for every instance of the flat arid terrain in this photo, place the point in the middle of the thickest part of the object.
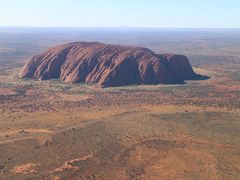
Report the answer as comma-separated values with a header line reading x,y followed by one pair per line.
x,y
56,130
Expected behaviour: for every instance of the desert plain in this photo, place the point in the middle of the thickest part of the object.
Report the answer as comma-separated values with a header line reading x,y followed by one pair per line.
x,y
56,130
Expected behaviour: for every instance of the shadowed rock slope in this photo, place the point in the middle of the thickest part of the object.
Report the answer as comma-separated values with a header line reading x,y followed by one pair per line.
x,y
108,65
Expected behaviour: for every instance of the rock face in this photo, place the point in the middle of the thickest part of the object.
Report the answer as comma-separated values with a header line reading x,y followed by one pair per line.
x,y
108,65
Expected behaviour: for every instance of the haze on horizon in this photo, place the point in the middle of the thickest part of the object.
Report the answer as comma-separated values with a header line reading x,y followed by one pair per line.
x,y
124,13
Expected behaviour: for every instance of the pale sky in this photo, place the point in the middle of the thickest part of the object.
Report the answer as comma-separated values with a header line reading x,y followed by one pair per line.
x,y
112,13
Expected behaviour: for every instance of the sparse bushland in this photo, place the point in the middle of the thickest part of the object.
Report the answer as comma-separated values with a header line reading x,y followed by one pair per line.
x,y
50,129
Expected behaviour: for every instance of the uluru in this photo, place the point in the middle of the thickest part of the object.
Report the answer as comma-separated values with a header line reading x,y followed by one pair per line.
x,y
108,65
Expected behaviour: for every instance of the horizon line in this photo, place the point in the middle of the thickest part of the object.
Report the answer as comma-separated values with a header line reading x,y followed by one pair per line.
x,y
120,27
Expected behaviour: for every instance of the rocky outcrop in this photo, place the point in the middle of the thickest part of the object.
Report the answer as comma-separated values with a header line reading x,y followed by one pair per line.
x,y
108,65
